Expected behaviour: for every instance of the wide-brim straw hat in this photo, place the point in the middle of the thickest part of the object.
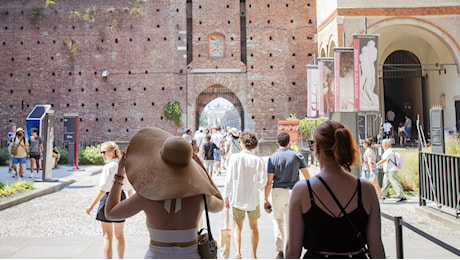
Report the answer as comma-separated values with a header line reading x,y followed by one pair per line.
x,y
160,166
234,132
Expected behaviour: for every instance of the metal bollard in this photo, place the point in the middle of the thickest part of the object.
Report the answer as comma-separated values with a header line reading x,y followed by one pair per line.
x,y
399,238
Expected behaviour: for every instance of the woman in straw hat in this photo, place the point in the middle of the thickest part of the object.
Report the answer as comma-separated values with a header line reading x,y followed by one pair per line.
x,y
111,155
169,186
20,147
232,146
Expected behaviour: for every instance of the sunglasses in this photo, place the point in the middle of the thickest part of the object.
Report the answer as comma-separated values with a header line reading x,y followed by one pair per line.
x,y
311,145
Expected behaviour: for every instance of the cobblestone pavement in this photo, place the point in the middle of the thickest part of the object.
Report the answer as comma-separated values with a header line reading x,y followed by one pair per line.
x,y
59,219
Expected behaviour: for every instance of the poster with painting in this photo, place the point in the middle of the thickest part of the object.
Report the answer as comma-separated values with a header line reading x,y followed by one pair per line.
x,y
312,91
327,89
366,72
344,90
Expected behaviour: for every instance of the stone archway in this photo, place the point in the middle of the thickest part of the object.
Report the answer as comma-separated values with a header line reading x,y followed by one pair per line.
x,y
402,83
212,93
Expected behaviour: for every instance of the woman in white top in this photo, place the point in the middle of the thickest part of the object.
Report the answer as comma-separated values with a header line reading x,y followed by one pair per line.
x,y
370,172
111,155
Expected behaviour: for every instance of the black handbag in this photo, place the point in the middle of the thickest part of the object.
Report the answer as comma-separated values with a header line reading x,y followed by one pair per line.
x,y
207,246
357,232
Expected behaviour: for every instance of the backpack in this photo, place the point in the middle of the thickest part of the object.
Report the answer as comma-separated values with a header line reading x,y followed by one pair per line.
x,y
398,162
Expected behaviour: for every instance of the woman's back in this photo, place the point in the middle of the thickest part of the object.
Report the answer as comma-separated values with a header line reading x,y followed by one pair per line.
x,y
326,229
168,215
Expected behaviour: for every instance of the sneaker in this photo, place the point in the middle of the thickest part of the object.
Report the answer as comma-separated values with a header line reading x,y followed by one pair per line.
x,y
280,255
10,170
402,199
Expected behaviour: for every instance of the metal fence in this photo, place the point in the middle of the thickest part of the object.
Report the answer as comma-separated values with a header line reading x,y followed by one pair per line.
x,y
399,223
440,180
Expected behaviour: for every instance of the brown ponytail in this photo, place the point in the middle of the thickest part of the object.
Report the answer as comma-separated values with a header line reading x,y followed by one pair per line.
x,y
345,151
336,142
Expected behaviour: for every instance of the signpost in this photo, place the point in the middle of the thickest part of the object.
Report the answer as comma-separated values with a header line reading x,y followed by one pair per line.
x,y
71,138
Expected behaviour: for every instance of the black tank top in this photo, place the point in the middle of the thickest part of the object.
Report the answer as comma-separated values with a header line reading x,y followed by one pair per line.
x,y
323,232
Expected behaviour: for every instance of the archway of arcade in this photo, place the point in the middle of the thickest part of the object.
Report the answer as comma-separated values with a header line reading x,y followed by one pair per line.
x,y
402,86
210,94
418,66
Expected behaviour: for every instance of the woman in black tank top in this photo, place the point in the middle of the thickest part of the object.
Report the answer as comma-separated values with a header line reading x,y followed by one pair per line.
x,y
334,214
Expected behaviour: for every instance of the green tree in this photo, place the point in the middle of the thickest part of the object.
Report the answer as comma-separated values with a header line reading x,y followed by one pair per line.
x,y
173,113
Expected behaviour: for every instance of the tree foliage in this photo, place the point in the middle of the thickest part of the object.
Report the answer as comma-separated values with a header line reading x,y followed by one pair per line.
x,y
173,113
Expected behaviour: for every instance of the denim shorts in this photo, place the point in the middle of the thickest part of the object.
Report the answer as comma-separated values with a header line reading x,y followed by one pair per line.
x,y
367,173
19,160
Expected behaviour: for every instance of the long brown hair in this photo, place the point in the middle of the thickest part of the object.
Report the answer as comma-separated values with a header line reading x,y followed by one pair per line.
x,y
337,143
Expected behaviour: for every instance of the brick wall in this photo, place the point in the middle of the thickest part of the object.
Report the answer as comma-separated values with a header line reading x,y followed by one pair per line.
x,y
55,56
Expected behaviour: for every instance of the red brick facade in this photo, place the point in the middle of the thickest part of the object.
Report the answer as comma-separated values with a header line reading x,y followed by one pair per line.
x,y
56,56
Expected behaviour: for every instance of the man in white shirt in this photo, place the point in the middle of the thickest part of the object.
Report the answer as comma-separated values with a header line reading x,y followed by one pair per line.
x,y
391,172
217,138
199,137
245,177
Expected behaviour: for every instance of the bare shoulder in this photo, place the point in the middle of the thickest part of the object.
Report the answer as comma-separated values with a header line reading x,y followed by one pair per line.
x,y
366,186
300,189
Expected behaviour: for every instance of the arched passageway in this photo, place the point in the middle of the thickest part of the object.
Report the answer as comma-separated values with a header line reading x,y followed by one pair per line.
x,y
403,86
212,93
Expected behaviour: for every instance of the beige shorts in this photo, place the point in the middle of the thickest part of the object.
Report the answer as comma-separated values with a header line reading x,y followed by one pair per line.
x,y
238,214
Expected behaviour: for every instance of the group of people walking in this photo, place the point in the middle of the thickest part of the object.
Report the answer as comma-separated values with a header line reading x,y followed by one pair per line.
x,y
214,149
391,129
21,148
332,214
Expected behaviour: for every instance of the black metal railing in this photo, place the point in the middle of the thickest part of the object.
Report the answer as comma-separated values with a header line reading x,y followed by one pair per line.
x,y
440,180
399,223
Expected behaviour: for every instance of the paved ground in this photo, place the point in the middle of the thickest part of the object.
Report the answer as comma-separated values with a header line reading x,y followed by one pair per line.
x,y
50,222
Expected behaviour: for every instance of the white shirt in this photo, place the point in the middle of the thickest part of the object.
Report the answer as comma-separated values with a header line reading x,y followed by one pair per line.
x,y
386,127
216,138
245,177
107,176
389,166
199,137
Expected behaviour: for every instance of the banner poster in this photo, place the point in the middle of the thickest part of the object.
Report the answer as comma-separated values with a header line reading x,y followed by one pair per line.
x,y
366,72
312,91
343,70
327,89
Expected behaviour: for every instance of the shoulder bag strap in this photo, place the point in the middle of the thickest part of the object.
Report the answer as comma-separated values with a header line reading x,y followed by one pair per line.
x,y
357,232
394,156
207,219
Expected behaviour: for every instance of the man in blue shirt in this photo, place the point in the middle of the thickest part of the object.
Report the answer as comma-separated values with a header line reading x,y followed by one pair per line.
x,y
283,173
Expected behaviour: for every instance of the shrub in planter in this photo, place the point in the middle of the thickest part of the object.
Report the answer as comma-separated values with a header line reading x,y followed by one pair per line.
x,y
64,159
91,155
4,156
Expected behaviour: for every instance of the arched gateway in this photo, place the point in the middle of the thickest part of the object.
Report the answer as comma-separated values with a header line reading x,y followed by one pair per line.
x,y
212,93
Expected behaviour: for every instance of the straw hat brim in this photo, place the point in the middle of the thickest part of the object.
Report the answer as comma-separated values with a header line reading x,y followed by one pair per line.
x,y
155,179
234,132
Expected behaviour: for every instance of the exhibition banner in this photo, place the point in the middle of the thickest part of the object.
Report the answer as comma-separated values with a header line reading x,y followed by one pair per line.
x,y
312,91
327,89
366,88
344,88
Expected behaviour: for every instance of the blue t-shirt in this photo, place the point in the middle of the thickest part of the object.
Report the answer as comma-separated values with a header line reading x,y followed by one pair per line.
x,y
285,165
